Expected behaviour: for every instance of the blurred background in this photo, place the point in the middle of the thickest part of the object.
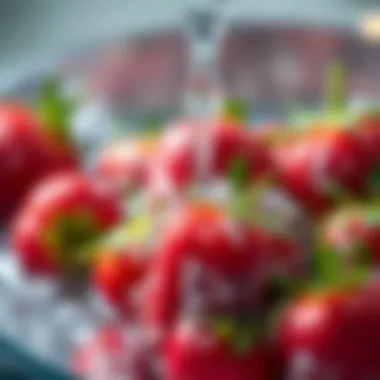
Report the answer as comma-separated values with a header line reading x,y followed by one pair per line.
x,y
134,52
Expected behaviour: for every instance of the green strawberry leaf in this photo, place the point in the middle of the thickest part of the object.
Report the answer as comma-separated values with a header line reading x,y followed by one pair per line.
x,y
374,181
338,192
336,94
245,336
363,257
328,266
55,109
333,272
137,231
238,173
238,335
71,239
234,109
372,216
223,328
336,86
283,288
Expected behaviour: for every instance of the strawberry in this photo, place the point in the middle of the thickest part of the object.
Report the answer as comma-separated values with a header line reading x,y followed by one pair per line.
x,y
125,165
28,152
354,234
124,257
58,219
195,352
293,162
323,166
328,161
189,152
273,209
116,275
369,125
332,334
209,264
115,352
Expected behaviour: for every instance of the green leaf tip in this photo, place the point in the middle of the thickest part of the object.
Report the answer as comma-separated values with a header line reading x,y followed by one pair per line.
x,y
54,108
336,86
235,110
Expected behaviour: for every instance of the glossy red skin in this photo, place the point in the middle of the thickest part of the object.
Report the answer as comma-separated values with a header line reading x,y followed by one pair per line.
x,y
339,331
27,154
370,131
126,165
294,162
309,166
60,195
179,151
111,344
243,259
116,276
352,234
285,254
193,353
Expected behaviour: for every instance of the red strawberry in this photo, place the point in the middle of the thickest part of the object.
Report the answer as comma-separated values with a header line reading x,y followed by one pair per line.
x,y
28,152
189,152
280,218
207,264
334,335
124,257
115,353
116,276
126,164
195,352
354,232
58,219
285,254
293,160
369,128
324,164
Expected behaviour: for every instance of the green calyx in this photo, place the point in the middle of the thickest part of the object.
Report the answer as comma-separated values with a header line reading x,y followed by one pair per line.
x,y
333,271
239,178
371,216
55,109
283,288
238,173
234,110
339,193
71,239
237,335
374,182
136,232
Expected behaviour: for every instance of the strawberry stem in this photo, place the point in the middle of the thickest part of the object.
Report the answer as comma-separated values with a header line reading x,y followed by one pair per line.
x,y
336,87
239,179
55,109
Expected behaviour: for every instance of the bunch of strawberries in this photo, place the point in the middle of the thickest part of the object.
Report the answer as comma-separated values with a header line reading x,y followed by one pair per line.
x,y
224,253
